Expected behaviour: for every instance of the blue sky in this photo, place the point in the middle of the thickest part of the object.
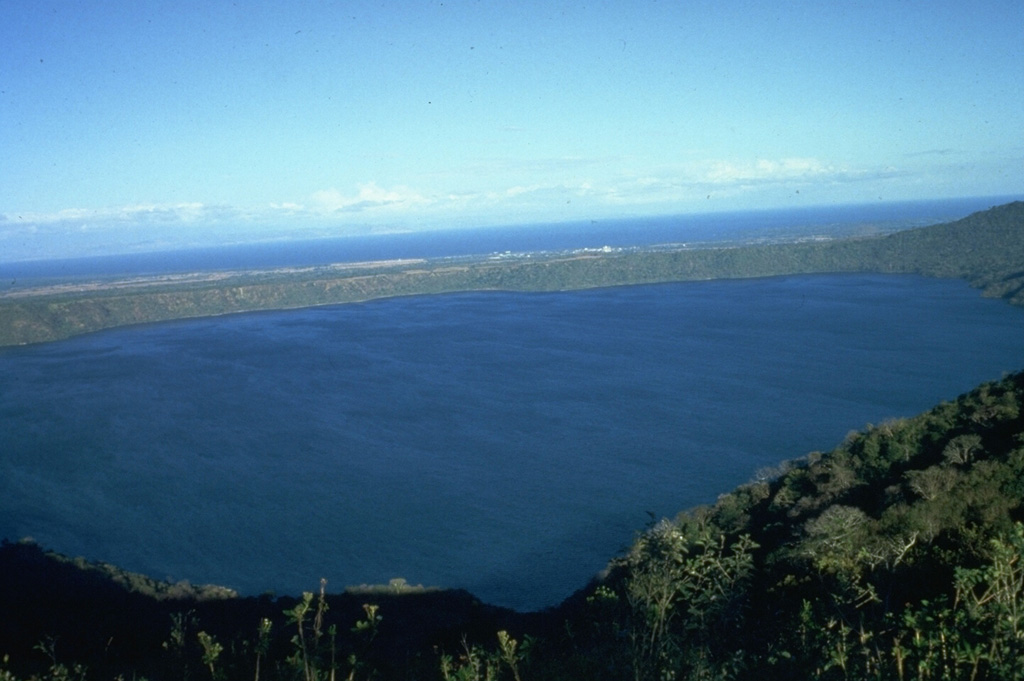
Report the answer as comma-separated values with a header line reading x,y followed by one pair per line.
x,y
135,125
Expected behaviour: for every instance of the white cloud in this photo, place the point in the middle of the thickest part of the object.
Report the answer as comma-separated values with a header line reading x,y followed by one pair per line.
x,y
529,193
370,201
681,186
757,173
369,196
596,182
765,170
519,190
136,213
288,207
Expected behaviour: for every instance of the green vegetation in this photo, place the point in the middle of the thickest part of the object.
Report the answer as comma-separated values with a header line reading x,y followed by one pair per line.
x,y
897,555
986,249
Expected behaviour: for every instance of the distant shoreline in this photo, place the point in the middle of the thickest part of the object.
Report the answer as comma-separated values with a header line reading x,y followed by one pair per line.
x,y
203,277
86,259
986,249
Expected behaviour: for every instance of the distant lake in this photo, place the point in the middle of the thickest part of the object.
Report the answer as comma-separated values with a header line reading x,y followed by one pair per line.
x,y
505,443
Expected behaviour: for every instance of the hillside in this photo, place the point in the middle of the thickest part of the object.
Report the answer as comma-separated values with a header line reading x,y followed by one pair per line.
x,y
986,249
897,555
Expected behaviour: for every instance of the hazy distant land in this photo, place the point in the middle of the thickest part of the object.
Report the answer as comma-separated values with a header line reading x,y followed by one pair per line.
x,y
986,249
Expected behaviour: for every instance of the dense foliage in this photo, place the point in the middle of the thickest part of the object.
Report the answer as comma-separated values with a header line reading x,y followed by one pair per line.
x,y
897,555
986,249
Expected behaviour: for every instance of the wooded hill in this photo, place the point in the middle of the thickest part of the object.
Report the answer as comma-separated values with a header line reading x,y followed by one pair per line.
x,y
897,555
986,249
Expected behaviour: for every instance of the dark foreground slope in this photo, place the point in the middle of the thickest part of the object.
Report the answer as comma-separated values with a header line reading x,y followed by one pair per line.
x,y
897,555
986,248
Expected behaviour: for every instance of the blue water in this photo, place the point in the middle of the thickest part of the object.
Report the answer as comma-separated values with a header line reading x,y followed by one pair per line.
x,y
505,443
700,228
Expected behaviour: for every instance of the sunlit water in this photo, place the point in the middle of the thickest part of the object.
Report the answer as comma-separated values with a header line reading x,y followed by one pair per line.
x,y
509,444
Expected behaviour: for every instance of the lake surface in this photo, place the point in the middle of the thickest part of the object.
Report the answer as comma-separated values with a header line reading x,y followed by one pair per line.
x,y
505,443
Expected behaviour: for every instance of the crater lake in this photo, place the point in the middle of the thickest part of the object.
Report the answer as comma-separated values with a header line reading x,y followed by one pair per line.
x,y
509,444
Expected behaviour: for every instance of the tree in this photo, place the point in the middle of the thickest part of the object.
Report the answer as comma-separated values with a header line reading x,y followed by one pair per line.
x,y
685,593
994,597
960,450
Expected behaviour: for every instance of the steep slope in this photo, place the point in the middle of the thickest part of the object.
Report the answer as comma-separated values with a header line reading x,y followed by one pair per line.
x,y
899,554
